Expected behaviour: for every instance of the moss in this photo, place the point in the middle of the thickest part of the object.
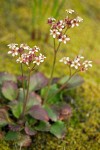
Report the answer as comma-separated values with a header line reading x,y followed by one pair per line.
x,y
76,139
4,145
83,130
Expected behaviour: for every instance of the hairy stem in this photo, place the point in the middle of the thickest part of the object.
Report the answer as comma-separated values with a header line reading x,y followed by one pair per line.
x,y
70,72
51,76
58,47
23,81
52,71
26,98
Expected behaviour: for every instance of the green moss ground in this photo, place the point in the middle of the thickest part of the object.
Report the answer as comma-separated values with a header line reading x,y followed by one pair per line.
x,y
18,20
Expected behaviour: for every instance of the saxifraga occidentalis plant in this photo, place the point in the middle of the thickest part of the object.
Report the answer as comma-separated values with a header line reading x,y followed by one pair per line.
x,y
36,104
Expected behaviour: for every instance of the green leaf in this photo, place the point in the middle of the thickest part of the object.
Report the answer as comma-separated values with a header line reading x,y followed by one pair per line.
x,y
7,77
58,129
12,136
63,80
52,113
4,117
16,108
51,99
37,81
75,81
43,126
10,90
34,99
39,113
17,105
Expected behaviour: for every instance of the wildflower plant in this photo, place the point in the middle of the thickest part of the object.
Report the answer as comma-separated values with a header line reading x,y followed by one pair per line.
x,y
35,103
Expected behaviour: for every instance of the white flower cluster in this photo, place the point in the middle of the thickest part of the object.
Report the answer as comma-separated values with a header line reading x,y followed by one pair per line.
x,y
26,54
77,63
58,28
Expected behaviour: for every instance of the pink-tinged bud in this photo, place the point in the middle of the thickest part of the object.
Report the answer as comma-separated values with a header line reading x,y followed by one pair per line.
x,y
51,20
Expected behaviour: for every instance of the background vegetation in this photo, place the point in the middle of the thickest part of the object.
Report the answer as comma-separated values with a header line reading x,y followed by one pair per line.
x,y
25,21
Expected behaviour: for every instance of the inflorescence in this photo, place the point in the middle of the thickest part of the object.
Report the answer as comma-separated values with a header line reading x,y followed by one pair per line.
x,y
77,63
58,31
58,28
26,54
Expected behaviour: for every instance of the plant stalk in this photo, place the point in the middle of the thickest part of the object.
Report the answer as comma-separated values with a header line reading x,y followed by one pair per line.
x,y
50,81
26,98
53,66
23,81
52,71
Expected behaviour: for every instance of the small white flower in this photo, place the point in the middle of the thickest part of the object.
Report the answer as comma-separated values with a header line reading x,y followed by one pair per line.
x,y
87,64
12,45
65,60
74,23
37,60
75,64
42,57
54,32
14,51
79,19
23,59
24,46
70,11
33,50
79,57
64,39
20,60
60,25
36,48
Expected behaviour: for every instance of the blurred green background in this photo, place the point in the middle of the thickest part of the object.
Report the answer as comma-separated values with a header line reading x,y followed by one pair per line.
x,y
25,21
